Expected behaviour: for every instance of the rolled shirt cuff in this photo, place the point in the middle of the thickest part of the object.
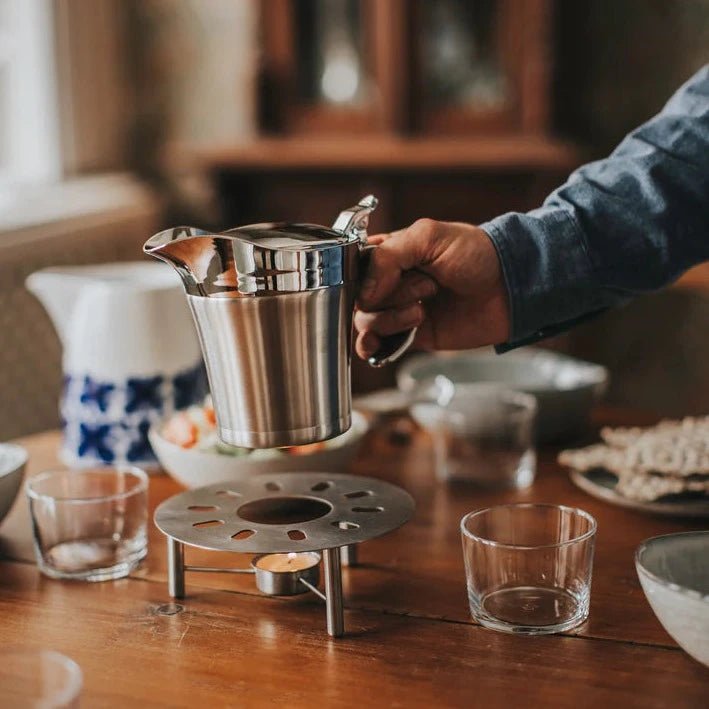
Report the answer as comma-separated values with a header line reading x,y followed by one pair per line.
x,y
549,277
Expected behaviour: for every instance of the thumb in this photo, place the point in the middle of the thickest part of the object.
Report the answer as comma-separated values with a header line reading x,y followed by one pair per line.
x,y
403,250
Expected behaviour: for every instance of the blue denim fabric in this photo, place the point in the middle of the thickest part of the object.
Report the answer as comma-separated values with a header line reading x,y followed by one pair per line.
x,y
625,225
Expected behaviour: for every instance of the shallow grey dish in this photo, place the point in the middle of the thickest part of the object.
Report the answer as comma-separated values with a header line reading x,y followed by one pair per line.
x,y
674,572
566,388
13,459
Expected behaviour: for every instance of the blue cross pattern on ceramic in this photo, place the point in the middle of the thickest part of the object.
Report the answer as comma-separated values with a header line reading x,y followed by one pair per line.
x,y
139,448
189,386
94,442
97,392
107,422
144,393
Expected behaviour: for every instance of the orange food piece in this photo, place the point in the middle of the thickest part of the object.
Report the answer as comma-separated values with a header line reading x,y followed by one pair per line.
x,y
181,431
210,415
307,449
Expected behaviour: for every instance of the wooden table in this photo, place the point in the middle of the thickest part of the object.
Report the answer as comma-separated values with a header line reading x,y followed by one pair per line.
x,y
410,640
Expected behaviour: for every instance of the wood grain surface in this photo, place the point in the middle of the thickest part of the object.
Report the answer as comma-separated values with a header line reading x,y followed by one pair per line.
x,y
387,153
410,639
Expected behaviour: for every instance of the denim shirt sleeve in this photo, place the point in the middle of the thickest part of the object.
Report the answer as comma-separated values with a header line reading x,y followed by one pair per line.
x,y
625,225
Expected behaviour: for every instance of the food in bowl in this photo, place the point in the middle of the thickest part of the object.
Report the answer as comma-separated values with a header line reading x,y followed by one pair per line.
x,y
196,427
188,448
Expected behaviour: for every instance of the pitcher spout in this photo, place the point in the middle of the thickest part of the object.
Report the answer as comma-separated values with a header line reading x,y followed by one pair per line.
x,y
58,291
189,250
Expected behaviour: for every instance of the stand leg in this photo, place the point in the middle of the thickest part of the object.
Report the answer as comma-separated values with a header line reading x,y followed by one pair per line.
x,y
175,568
333,592
348,555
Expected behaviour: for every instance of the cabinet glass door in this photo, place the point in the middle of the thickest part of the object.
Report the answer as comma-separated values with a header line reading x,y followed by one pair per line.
x,y
329,52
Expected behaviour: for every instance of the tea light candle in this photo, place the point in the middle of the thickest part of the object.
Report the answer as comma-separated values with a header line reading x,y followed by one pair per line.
x,y
284,563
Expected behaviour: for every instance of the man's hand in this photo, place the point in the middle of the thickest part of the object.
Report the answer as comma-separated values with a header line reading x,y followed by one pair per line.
x,y
443,277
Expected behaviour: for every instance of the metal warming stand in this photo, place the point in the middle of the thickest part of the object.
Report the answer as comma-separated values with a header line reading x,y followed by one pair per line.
x,y
284,519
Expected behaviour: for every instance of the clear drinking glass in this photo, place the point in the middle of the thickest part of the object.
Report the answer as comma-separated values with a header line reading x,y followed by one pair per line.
x,y
38,678
484,434
89,524
528,566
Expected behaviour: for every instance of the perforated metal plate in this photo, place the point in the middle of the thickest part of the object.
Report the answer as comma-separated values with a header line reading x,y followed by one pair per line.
x,y
285,512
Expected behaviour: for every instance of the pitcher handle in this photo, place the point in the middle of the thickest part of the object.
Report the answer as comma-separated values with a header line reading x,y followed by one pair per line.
x,y
392,346
353,222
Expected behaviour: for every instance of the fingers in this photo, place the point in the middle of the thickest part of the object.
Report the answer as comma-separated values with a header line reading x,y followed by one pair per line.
x,y
413,247
413,287
373,326
368,341
367,344
392,286
377,239
391,321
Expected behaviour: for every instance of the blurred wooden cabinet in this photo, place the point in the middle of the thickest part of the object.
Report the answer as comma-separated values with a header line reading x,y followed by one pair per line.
x,y
415,67
439,107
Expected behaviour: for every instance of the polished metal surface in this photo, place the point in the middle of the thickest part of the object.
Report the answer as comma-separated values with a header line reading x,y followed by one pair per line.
x,y
334,606
273,305
287,512
355,220
314,589
348,555
258,259
285,583
353,509
279,367
175,568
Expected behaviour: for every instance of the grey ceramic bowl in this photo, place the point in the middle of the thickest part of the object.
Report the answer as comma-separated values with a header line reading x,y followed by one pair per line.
x,y
12,465
674,572
566,389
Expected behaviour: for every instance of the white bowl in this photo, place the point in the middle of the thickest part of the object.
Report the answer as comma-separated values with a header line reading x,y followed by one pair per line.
x,y
12,466
195,468
674,572
565,388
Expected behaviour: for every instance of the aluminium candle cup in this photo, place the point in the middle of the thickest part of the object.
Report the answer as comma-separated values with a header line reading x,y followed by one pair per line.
x,y
286,583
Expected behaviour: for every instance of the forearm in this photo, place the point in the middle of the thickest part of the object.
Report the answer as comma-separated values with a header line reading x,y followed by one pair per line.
x,y
625,225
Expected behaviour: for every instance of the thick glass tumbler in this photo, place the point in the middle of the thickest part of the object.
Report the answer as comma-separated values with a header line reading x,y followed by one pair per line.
x,y
528,566
89,524
483,433
485,436
38,678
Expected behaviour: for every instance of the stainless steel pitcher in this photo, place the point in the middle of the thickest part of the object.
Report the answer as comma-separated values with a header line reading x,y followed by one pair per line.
x,y
273,306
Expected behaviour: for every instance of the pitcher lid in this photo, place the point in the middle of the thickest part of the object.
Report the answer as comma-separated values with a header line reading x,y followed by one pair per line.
x,y
277,236
259,259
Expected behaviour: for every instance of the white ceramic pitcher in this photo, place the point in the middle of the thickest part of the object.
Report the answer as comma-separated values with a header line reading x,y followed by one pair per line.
x,y
131,356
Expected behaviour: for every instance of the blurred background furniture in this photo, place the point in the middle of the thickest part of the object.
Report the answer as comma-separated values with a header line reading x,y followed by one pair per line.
x,y
94,220
440,108
216,113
